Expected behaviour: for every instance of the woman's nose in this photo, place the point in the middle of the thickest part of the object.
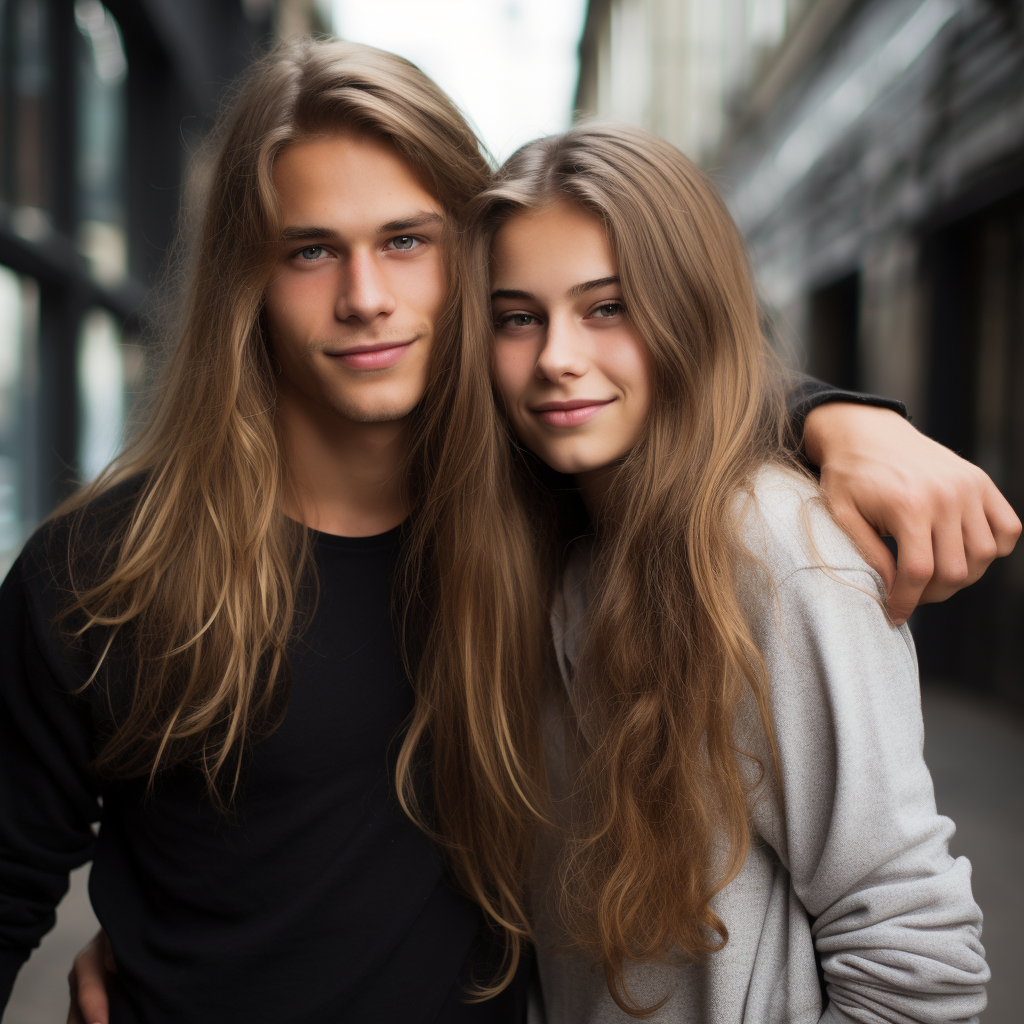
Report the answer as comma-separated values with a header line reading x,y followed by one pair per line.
x,y
563,353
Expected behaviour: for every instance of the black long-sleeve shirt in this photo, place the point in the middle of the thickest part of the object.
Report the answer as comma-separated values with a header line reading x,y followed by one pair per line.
x,y
314,900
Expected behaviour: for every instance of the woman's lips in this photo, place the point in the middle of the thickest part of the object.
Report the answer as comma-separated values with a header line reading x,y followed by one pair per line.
x,y
570,414
373,357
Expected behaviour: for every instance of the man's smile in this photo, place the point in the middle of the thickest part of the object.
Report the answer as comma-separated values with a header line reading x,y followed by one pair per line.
x,y
372,357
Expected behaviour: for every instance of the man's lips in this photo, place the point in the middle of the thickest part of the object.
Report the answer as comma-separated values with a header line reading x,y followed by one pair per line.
x,y
571,413
372,357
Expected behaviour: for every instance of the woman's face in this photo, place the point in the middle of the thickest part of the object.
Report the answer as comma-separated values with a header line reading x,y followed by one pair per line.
x,y
570,368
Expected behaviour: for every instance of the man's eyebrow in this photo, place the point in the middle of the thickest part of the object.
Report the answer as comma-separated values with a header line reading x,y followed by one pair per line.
x,y
416,220
302,233
576,289
305,233
579,289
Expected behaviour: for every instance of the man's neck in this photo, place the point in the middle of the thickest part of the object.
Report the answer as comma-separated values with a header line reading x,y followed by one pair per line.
x,y
346,478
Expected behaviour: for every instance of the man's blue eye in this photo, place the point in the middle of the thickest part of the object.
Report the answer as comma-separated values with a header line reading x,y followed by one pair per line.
x,y
311,252
403,242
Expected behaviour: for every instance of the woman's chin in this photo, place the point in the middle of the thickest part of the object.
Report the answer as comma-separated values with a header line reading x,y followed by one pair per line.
x,y
576,463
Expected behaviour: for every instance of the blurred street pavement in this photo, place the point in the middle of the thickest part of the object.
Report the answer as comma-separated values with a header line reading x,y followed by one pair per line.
x,y
976,754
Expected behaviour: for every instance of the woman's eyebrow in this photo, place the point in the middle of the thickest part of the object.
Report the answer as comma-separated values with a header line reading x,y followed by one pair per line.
x,y
579,289
576,289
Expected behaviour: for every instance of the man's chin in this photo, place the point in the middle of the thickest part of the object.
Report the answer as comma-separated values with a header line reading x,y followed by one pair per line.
x,y
373,413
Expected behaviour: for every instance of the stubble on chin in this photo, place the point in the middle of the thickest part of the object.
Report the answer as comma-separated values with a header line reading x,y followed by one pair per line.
x,y
356,413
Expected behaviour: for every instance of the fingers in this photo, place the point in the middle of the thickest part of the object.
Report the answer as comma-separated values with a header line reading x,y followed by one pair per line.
x,y
915,567
88,983
980,545
93,1005
871,546
1003,522
947,516
74,1017
953,569
988,529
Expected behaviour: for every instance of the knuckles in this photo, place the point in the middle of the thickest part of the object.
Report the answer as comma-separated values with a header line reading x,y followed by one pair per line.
x,y
983,554
953,576
917,571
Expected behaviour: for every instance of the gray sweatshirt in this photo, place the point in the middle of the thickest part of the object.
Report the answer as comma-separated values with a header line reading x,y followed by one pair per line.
x,y
852,872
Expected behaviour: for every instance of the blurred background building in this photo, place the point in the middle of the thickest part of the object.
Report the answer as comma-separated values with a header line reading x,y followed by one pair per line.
x,y
100,106
872,152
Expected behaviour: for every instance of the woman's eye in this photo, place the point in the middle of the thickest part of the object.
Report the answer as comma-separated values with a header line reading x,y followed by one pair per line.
x,y
516,320
312,252
607,309
404,242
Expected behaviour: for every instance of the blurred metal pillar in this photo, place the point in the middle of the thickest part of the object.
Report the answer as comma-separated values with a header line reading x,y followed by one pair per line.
x,y
60,312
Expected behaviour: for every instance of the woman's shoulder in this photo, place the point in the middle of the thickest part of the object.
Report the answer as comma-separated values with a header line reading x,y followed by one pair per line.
x,y
786,525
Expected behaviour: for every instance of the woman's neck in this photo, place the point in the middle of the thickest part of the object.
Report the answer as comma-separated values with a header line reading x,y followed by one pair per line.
x,y
595,485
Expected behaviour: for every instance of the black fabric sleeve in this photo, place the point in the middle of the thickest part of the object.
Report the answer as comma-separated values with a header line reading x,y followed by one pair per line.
x,y
48,797
807,393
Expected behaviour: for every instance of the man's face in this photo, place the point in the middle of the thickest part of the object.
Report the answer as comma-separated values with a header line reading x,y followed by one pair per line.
x,y
359,280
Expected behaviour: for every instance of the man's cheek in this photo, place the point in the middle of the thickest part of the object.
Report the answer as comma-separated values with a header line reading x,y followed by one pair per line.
x,y
428,289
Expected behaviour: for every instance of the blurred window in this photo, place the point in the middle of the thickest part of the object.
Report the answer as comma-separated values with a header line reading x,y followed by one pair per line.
x,y
101,74
101,392
25,82
19,315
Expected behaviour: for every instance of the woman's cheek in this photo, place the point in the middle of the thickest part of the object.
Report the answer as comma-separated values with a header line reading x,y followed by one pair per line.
x,y
512,369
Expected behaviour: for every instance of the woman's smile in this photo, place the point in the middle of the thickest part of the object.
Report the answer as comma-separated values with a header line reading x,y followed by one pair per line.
x,y
571,413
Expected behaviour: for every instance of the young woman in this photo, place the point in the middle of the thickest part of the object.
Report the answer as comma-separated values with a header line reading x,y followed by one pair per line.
x,y
746,825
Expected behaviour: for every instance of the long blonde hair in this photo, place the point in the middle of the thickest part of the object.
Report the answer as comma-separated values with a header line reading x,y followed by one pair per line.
x,y
668,656
199,581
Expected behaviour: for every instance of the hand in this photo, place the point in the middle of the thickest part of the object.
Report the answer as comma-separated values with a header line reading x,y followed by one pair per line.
x,y
886,479
89,978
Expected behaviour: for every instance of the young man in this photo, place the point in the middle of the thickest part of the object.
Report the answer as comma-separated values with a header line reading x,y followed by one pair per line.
x,y
204,641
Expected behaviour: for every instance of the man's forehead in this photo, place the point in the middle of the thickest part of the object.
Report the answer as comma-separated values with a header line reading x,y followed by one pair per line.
x,y
345,178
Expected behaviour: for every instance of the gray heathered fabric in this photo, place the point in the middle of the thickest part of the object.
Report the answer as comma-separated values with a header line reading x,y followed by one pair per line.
x,y
856,868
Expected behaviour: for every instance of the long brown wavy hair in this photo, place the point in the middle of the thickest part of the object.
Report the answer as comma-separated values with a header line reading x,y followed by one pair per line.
x,y
199,582
668,658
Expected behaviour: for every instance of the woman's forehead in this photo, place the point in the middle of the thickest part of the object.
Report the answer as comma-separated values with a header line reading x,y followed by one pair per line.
x,y
558,243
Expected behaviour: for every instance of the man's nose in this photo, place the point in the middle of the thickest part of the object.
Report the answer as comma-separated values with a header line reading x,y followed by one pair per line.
x,y
365,293
563,353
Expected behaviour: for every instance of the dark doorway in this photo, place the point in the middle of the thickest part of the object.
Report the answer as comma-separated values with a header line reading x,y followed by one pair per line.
x,y
834,330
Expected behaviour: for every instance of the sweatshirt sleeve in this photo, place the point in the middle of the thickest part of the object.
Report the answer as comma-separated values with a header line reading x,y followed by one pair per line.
x,y
48,799
895,926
